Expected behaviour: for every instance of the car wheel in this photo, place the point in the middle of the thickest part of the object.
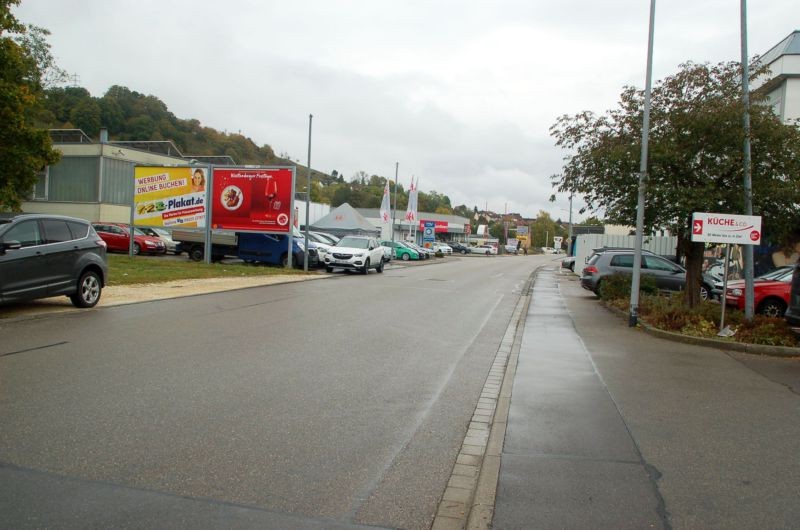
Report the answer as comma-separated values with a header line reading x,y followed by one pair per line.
x,y
772,308
196,253
284,260
379,268
328,269
705,292
464,251
89,289
406,256
365,270
136,249
572,266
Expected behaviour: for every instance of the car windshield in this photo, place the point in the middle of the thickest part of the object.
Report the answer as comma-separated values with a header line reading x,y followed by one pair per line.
x,y
353,242
778,275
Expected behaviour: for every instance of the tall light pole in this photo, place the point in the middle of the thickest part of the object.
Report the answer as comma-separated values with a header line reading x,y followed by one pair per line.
x,y
748,183
308,193
637,260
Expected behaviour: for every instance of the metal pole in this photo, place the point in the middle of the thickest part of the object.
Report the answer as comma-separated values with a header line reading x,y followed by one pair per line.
x,y
394,212
633,317
308,192
724,287
748,183
569,249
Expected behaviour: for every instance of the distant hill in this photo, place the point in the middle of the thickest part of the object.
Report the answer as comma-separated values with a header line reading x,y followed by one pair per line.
x,y
130,115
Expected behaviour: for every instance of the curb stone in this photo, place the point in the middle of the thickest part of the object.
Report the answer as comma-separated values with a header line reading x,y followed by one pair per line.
x,y
469,498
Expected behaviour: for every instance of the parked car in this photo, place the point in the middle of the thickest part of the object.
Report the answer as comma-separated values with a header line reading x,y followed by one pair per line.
x,y
771,295
117,236
511,249
424,253
793,312
50,255
668,276
487,250
329,238
164,235
444,248
459,247
321,244
777,273
400,250
568,263
359,253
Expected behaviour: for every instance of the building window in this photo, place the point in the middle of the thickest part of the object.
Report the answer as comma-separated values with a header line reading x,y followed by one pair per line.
x,y
73,179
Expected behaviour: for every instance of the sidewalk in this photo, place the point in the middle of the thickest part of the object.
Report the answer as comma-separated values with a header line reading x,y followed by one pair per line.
x,y
609,427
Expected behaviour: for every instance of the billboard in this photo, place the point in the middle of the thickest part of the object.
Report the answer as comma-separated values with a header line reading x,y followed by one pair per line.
x,y
726,228
169,196
252,199
441,227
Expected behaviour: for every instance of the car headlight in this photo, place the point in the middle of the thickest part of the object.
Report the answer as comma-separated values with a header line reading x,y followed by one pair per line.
x,y
735,292
150,244
359,255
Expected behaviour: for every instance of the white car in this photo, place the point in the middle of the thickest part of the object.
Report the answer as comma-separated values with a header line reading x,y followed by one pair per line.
x,y
441,247
360,253
488,250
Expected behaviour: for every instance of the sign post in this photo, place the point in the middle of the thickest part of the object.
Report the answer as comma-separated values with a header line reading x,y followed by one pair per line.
x,y
730,229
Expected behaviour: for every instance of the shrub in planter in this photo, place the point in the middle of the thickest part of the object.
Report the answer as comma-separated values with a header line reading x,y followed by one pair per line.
x,y
618,286
766,330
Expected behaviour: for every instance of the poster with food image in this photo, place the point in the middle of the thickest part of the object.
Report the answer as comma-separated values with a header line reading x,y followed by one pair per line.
x,y
169,196
252,199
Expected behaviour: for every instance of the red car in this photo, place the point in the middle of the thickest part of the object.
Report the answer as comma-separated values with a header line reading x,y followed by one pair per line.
x,y
117,237
770,294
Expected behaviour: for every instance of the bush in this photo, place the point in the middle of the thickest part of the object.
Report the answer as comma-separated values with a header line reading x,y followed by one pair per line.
x,y
618,286
670,314
766,330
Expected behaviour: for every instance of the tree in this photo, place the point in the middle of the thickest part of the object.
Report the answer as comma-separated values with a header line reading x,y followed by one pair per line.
x,y
24,149
695,158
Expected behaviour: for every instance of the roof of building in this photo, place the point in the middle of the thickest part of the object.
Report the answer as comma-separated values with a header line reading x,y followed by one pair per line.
x,y
375,213
788,46
217,160
69,136
345,219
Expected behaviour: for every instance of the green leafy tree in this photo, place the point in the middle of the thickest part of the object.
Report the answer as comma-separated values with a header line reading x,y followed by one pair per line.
x,y
695,158
24,149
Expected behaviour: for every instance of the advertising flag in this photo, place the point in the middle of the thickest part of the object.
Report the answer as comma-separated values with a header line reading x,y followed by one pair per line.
x,y
411,211
385,217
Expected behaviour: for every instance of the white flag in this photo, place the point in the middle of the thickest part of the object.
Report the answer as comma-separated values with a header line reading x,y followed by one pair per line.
x,y
411,211
385,217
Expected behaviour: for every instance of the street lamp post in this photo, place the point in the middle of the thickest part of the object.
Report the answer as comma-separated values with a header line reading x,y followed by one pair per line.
x,y
308,195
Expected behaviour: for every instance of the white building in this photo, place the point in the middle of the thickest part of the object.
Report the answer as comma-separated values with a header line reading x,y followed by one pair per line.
x,y
783,84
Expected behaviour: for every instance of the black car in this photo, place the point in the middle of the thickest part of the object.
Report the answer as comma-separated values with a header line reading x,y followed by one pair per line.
x,y
793,312
459,247
51,255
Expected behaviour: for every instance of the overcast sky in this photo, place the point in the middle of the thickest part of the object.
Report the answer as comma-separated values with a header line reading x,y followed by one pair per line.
x,y
461,93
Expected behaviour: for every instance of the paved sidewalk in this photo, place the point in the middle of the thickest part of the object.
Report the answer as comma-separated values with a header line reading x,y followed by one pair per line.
x,y
609,427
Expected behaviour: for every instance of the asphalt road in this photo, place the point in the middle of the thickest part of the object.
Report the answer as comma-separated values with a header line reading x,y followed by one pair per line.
x,y
328,404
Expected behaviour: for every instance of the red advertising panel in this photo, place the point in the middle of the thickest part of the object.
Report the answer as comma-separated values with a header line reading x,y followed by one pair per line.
x,y
441,226
252,199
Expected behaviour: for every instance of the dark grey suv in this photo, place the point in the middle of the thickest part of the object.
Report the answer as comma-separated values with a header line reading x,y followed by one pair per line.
x,y
668,275
50,255
793,312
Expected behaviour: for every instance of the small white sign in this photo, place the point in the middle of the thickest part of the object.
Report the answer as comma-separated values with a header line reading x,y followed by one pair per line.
x,y
726,228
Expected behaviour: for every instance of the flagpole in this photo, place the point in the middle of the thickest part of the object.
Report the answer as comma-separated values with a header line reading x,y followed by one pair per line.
x,y
394,212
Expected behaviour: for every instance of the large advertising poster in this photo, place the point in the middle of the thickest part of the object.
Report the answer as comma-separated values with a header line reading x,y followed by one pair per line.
x,y
252,199
169,196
